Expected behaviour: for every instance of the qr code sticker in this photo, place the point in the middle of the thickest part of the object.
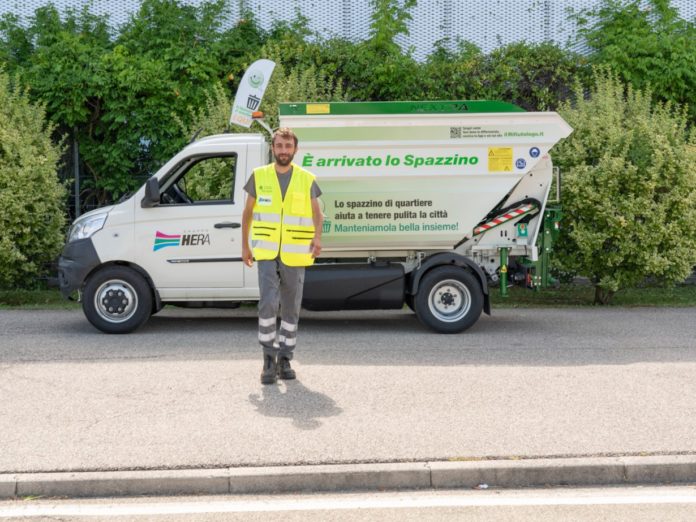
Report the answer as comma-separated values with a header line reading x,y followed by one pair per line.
x,y
455,132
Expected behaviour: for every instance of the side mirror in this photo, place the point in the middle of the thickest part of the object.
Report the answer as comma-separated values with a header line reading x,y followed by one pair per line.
x,y
152,195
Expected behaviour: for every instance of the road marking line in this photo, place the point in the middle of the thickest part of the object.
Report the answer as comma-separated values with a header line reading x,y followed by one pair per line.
x,y
492,499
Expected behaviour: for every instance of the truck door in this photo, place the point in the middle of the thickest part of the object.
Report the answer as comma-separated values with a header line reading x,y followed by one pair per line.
x,y
191,243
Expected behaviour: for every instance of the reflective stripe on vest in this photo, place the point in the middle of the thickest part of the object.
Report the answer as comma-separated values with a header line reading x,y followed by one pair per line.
x,y
266,245
300,221
271,218
283,226
295,249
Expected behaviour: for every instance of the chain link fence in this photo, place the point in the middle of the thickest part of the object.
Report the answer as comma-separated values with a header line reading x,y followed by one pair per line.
x,y
486,23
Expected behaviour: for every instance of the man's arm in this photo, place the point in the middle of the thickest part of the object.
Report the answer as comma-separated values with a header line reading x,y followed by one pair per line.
x,y
247,217
318,219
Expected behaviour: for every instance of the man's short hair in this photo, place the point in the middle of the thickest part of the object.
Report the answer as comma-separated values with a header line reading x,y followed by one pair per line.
x,y
286,133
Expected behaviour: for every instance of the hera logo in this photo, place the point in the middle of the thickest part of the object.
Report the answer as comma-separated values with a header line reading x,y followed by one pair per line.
x,y
195,239
163,240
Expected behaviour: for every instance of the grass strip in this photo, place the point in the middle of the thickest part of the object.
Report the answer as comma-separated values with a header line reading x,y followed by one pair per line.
x,y
583,295
50,299
566,295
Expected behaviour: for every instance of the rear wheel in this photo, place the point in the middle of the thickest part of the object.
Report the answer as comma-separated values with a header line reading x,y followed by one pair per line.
x,y
409,300
117,299
449,299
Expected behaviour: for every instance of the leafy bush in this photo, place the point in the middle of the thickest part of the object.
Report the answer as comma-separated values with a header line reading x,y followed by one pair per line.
x,y
377,69
31,198
536,77
629,195
453,75
647,44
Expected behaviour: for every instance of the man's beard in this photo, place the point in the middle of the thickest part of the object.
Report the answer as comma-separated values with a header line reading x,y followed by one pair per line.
x,y
284,160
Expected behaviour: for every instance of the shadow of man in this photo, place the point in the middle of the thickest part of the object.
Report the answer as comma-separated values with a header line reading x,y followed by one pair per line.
x,y
297,402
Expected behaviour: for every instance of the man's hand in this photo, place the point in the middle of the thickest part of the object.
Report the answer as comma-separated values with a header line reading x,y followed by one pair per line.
x,y
247,256
315,246
318,220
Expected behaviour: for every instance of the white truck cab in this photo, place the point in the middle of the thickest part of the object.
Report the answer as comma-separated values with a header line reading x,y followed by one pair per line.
x,y
419,200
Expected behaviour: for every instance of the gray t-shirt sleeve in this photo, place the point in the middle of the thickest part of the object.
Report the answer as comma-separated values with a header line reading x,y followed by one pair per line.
x,y
315,191
250,186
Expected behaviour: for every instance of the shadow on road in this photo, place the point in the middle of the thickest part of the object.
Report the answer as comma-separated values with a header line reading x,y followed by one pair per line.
x,y
297,402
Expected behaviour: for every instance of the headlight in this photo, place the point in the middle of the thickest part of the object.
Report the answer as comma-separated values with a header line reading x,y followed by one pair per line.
x,y
84,228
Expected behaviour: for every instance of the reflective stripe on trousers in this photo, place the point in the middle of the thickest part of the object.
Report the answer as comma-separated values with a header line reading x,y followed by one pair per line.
x,y
280,288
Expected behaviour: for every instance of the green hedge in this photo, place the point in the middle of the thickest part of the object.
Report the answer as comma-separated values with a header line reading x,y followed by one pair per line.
x,y
629,193
32,216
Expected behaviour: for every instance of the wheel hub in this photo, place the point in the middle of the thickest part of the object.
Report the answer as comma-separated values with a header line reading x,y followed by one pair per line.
x,y
449,300
116,301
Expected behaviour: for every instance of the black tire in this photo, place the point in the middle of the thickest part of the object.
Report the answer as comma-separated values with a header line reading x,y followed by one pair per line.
x,y
449,299
408,299
117,300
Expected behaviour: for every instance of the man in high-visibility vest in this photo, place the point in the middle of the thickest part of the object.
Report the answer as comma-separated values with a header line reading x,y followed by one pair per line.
x,y
283,214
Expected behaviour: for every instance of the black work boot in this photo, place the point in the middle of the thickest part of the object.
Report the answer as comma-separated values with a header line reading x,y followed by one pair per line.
x,y
284,370
270,369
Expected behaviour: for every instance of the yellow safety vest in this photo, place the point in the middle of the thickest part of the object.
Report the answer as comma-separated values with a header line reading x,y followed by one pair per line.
x,y
283,225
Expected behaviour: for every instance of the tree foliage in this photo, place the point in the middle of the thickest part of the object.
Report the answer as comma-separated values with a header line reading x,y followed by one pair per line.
x,y
647,44
117,94
378,69
32,215
629,196
535,76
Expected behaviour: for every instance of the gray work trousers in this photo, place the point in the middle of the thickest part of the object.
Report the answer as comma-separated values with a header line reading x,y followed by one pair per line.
x,y
280,287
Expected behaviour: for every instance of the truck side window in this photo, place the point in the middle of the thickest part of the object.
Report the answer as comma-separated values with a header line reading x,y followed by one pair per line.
x,y
208,180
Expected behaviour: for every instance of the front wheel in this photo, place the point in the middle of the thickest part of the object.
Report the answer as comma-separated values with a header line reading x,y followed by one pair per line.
x,y
117,299
449,299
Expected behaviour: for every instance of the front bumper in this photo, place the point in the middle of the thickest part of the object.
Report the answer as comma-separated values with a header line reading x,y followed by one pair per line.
x,y
78,259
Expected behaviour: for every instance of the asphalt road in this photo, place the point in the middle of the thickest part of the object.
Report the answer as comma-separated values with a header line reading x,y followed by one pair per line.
x,y
184,390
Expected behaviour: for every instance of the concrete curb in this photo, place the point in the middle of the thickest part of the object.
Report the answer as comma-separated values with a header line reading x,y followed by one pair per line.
x,y
349,477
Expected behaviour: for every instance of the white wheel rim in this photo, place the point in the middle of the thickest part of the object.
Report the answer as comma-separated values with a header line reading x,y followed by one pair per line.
x,y
115,301
449,300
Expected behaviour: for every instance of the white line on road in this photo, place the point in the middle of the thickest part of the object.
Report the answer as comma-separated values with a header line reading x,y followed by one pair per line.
x,y
383,501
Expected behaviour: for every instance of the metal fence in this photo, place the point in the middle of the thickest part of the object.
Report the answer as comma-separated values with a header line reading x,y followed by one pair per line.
x,y
486,23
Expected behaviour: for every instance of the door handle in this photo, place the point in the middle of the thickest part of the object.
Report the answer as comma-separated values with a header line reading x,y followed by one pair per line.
x,y
227,224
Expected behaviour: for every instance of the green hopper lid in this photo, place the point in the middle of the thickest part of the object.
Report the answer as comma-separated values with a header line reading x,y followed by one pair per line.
x,y
399,107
